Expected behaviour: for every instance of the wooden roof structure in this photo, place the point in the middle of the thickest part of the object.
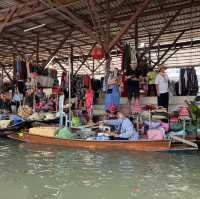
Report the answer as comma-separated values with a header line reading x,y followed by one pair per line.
x,y
163,31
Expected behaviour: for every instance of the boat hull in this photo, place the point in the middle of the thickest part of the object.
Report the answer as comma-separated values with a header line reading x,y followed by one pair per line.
x,y
141,145
12,129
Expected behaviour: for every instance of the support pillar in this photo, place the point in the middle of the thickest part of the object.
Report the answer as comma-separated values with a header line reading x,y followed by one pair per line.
x,y
107,69
71,59
149,51
136,36
14,67
37,49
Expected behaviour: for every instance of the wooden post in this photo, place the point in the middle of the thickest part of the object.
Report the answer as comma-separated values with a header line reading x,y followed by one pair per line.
x,y
93,69
37,48
14,67
107,69
71,59
149,51
136,36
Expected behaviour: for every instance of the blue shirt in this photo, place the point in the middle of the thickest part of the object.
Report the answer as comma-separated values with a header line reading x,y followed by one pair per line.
x,y
124,127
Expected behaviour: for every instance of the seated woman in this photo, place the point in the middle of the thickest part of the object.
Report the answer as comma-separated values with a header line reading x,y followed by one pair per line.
x,y
125,129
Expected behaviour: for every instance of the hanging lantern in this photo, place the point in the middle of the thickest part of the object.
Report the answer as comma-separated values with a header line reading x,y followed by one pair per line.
x,y
97,52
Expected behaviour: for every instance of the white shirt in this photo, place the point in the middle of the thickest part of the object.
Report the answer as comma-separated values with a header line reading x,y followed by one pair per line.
x,y
163,83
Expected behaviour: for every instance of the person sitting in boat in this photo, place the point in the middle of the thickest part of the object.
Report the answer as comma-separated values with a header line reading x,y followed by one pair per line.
x,y
125,128
111,113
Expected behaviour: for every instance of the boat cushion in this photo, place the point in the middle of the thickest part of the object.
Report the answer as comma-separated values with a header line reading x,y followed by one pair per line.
x,y
156,134
44,131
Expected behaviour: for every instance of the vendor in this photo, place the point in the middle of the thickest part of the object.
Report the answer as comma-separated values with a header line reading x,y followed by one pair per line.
x,y
113,92
151,75
133,76
40,95
111,113
125,129
162,87
17,99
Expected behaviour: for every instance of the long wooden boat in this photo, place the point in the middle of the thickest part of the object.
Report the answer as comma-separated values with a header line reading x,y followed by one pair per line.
x,y
47,122
140,145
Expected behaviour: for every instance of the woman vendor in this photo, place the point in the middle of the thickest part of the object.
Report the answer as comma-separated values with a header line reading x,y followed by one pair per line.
x,y
113,92
125,129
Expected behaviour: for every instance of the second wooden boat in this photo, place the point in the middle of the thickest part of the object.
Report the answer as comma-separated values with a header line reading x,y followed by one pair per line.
x,y
140,145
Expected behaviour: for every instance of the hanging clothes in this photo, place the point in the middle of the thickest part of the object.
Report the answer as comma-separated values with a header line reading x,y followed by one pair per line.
x,y
86,80
28,69
188,82
64,81
89,100
18,66
193,82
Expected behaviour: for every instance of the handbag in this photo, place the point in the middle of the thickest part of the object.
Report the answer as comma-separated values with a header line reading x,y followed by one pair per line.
x,y
109,91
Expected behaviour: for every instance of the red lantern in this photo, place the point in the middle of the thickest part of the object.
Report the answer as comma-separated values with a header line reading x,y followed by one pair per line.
x,y
97,53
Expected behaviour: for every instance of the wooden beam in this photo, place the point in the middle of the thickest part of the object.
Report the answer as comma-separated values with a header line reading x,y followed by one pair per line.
x,y
161,32
8,75
171,55
62,42
132,20
85,59
97,19
107,36
68,15
170,47
61,66
99,65
7,18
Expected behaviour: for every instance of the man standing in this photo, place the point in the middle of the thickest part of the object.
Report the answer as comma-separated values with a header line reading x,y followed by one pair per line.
x,y
133,86
162,87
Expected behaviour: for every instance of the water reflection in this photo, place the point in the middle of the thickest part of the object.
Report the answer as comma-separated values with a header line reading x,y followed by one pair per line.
x,y
30,171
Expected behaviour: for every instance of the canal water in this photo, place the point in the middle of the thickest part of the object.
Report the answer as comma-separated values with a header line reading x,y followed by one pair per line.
x,y
43,172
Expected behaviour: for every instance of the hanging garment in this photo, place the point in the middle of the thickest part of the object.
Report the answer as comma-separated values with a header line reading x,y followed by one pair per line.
x,y
65,81
193,82
21,86
23,71
86,80
127,58
18,67
89,100
133,57
28,63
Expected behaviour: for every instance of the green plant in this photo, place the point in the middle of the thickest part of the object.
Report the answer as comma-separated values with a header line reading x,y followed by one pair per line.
x,y
194,111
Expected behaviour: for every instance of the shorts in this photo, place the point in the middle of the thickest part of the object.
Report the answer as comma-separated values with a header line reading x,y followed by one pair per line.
x,y
133,91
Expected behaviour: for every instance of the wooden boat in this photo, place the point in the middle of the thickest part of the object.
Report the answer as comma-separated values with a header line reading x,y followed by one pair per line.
x,y
140,145
47,122
12,129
